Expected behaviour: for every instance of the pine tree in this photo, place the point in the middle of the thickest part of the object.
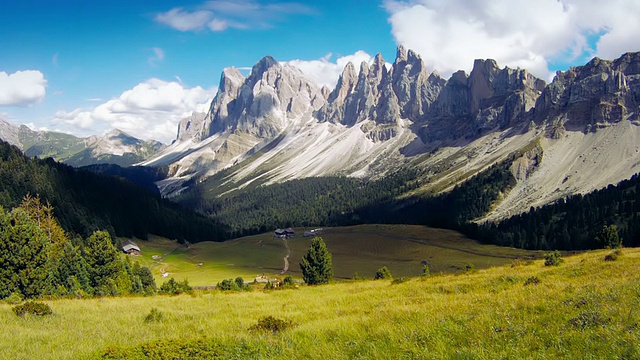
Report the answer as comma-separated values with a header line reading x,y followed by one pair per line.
x,y
316,265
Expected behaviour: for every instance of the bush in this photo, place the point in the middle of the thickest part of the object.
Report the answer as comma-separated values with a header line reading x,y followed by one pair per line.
x,y
399,280
613,256
469,267
172,287
383,273
271,324
154,316
288,281
33,308
233,285
532,280
553,259
426,271
14,299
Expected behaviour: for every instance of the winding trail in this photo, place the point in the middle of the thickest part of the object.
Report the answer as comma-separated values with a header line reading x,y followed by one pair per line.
x,y
286,258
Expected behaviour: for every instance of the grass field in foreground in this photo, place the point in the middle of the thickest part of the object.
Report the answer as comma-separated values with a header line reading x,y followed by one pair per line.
x,y
358,249
586,308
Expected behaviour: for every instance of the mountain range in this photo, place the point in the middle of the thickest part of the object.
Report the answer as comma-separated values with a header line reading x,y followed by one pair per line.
x,y
576,134
115,147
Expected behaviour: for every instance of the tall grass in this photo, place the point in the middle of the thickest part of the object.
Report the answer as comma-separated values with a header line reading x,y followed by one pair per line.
x,y
584,308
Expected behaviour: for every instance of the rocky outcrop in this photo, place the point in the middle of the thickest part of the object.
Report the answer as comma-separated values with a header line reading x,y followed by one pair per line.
x,y
264,102
598,94
525,165
192,127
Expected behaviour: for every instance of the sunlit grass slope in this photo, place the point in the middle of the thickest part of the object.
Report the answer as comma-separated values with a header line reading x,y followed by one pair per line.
x,y
356,249
586,308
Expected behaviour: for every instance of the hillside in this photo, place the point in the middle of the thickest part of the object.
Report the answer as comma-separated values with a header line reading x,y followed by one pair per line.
x,y
84,202
582,309
275,125
115,147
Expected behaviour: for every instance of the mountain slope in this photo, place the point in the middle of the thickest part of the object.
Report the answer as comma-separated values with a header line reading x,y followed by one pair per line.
x,y
115,147
276,125
84,202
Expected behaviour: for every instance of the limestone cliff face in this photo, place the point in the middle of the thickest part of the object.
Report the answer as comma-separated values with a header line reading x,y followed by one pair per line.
x,y
263,103
489,98
598,94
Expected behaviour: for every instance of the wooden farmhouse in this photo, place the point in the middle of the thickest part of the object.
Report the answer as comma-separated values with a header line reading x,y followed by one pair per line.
x,y
131,248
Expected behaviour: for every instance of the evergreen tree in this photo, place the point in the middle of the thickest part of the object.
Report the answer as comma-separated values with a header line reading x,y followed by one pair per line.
x,y
609,237
316,265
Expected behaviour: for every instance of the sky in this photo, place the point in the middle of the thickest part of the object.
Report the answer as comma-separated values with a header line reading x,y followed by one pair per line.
x,y
87,66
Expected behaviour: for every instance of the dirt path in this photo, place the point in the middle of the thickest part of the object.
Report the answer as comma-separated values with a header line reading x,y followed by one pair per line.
x,y
286,258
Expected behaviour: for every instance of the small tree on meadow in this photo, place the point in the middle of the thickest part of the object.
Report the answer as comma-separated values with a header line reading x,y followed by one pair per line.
x,y
383,273
316,265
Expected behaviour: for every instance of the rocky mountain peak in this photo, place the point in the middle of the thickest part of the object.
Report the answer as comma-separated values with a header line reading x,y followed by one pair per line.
x,y
401,55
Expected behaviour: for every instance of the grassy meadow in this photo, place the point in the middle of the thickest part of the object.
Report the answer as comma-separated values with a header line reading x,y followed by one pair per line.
x,y
358,249
586,308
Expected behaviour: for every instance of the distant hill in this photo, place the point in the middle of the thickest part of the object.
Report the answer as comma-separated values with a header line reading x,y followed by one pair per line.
x,y
115,147
84,201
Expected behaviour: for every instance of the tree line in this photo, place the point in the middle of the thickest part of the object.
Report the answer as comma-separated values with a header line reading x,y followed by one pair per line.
x,y
39,259
86,202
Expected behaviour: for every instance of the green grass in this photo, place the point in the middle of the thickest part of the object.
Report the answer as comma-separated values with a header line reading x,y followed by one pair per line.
x,y
358,249
586,308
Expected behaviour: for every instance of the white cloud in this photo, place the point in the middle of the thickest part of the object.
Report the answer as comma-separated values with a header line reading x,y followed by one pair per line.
x,y
22,87
325,72
449,35
220,15
158,55
184,20
150,110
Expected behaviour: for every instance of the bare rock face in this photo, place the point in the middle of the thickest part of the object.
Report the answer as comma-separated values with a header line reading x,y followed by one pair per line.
x,y
595,95
263,103
524,166
192,127
489,98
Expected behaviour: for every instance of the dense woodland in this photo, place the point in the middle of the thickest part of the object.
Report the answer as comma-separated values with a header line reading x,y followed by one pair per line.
x,y
572,223
39,259
319,201
85,202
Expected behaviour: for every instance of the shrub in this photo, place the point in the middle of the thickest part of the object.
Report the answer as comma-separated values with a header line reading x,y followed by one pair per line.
x,y
233,285
33,308
383,273
588,319
14,299
399,280
426,271
268,285
613,256
553,258
288,281
271,324
154,316
532,280
469,267
172,287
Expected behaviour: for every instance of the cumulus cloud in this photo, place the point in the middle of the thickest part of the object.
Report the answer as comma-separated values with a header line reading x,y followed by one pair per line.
x,y
325,72
449,35
220,15
22,87
150,110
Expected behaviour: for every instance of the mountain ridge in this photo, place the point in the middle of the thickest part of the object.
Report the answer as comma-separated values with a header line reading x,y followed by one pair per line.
x,y
115,147
388,116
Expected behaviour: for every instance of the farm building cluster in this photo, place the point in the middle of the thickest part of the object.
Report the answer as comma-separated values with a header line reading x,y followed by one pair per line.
x,y
289,233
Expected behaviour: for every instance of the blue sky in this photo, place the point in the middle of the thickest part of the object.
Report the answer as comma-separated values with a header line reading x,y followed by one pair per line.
x,y
86,66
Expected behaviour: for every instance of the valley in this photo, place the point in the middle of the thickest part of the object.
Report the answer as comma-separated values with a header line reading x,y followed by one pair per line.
x,y
360,250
